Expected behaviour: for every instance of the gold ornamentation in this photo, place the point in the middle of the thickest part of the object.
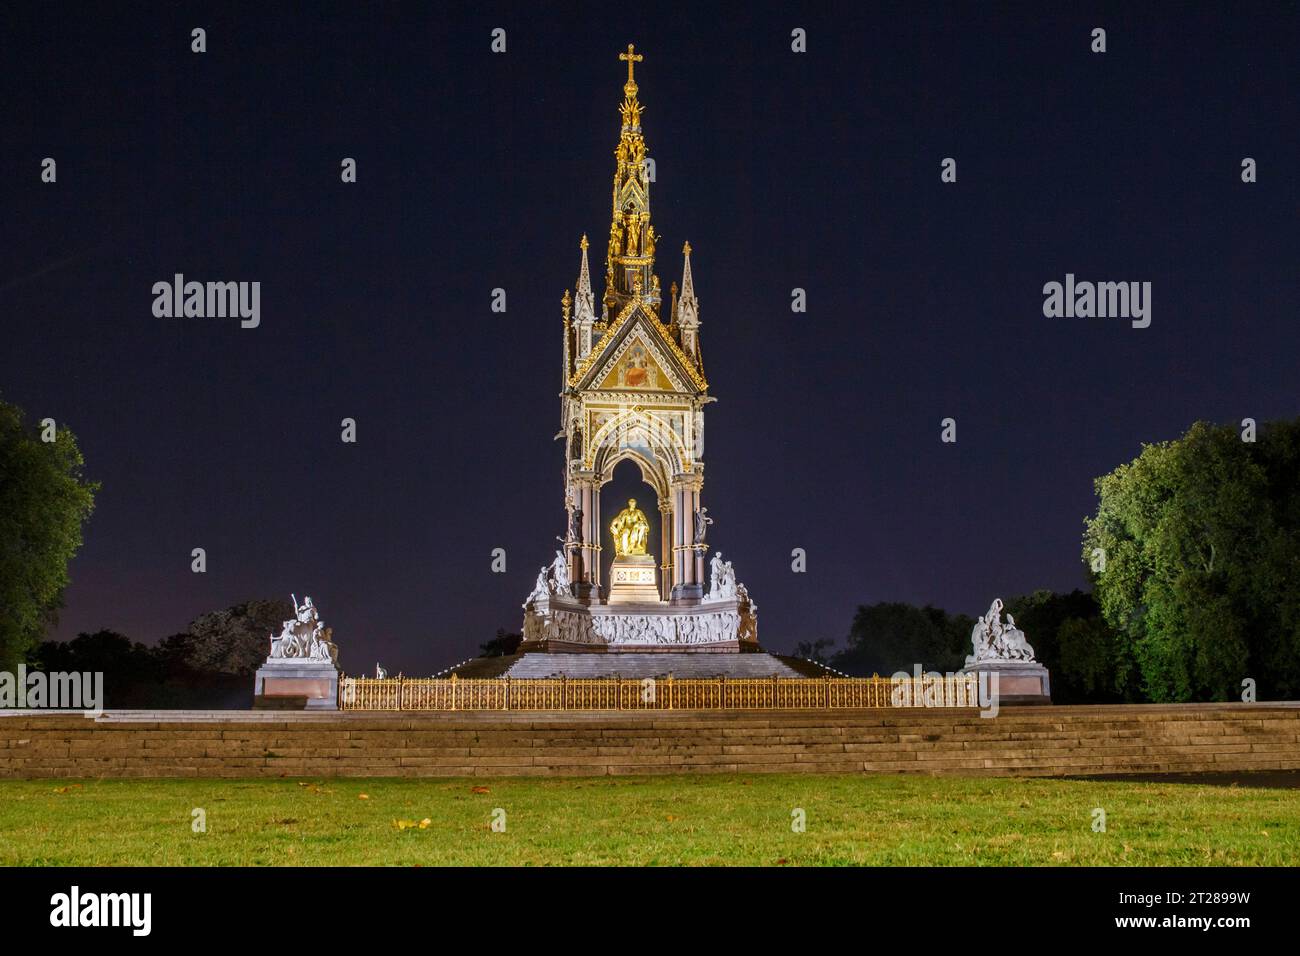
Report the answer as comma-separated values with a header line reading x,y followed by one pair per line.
x,y
621,693
632,58
692,369
632,232
630,528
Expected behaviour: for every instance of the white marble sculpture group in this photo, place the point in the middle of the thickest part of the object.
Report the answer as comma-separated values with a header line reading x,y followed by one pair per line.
x,y
722,579
725,614
992,640
552,579
305,637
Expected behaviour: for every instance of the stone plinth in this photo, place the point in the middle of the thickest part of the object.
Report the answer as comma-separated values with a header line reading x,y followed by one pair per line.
x,y
318,681
562,623
1018,682
633,580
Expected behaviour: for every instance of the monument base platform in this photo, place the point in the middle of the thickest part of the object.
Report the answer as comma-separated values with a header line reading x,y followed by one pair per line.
x,y
560,622
284,679
1018,682
637,665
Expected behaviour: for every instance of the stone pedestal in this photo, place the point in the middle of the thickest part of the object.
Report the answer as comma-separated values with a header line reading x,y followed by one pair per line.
x,y
633,580
1018,682
556,622
687,593
318,681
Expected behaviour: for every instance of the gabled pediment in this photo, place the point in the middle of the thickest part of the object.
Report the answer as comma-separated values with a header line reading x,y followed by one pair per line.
x,y
632,196
638,354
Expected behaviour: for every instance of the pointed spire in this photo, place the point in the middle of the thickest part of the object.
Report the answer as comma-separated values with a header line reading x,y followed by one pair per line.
x,y
688,282
584,304
632,237
583,298
688,309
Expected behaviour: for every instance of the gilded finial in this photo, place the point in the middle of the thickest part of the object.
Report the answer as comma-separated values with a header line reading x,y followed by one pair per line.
x,y
583,244
632,57
565,302
686,249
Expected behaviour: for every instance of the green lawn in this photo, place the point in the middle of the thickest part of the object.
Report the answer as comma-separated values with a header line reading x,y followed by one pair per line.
x,y
692,820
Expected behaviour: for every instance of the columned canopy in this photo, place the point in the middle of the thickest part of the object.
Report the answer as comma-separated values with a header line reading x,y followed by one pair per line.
x,y
633,381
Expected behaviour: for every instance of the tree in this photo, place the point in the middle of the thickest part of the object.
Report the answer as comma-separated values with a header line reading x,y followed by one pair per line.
x,y
890,637
814,651
132,672
1200,539
44,500
503,645
1084,655
235,641
111,653
209,666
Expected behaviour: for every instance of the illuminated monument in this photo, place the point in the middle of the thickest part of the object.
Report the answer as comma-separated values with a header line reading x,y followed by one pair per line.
x,y
634,389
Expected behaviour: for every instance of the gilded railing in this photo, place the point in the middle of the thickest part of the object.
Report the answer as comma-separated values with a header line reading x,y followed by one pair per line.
x,y
613,693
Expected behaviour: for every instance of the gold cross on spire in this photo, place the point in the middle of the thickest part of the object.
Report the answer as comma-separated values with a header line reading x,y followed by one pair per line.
x,y
632,57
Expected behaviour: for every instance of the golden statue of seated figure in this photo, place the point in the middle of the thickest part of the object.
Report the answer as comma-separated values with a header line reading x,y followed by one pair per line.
x,y
630,530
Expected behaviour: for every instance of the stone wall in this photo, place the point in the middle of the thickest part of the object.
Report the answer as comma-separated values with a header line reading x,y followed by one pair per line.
x,y
1041,741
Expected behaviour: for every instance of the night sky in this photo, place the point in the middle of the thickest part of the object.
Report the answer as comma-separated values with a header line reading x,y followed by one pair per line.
x,y
477,170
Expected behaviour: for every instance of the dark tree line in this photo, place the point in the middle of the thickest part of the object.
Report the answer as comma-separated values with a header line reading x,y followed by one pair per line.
x,y
211,665
1066,630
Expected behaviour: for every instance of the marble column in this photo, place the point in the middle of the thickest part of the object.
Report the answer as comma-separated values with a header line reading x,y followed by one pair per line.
x,y
597,531
585,559
687,566
665,548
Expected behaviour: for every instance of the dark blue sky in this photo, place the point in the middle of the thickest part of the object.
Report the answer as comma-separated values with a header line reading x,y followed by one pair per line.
x,y
477,170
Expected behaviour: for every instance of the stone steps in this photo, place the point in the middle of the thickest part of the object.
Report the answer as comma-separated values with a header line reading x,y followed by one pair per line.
x,y
637,666
1033,741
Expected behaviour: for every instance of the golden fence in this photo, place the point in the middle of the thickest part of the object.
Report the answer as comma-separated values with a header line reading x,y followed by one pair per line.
x,y
613,693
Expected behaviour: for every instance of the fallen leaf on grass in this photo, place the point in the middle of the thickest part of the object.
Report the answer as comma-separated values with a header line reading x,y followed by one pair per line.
x,y
77,786
363,796
411,824
479,790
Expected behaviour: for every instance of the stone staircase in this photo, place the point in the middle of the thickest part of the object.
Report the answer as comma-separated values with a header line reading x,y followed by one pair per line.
x,y
635,666
1038,741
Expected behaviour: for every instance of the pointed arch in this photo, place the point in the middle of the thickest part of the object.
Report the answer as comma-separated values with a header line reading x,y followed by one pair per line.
x,y
649,441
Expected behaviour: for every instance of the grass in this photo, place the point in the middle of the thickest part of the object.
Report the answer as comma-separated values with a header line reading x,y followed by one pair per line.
x,y
680,820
